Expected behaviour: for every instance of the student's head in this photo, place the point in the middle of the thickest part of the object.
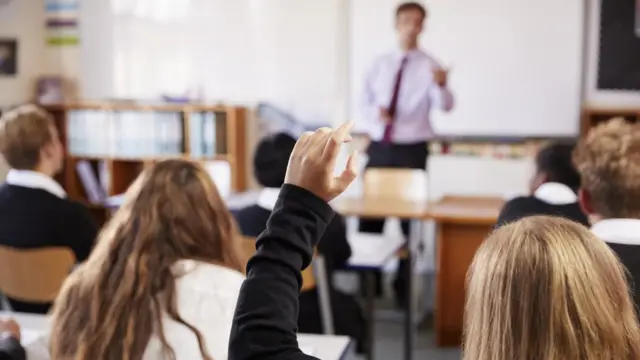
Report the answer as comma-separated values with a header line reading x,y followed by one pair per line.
x,y
608,160
114,302
410,18
271,158
29,140
546,288
554,164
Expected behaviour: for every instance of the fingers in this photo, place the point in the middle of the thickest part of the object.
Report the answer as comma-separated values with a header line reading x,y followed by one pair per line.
x,y
349,174
336,139
319,139
302,142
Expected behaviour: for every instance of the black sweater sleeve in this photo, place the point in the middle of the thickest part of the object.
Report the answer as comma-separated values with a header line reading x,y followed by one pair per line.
x,y
334,245
265,321
10,349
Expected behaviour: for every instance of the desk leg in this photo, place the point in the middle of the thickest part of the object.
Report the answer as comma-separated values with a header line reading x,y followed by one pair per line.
x,y
370,290
409,325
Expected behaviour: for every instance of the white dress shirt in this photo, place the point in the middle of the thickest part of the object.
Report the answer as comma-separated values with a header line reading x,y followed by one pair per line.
x,y
35,180
618,231
206,297
418,94
554,193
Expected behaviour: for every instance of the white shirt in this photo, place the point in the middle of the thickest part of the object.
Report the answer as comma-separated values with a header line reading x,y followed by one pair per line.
x,y
35,180
417,95
618,231
554,193
206,296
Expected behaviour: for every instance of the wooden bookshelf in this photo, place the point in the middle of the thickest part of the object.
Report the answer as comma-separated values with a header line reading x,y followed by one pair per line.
x,y
596,115
122,169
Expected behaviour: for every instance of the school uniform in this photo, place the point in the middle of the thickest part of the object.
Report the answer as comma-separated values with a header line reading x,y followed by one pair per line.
x,y
348,316
10,348
206,297
623,237
265,321
554,199
36,213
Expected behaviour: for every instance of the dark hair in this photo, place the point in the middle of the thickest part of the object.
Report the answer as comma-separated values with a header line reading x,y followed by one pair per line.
x,y
115,302
555,161
271,158
411,6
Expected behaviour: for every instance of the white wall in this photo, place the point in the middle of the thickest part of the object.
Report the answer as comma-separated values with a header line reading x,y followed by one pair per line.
x,y
23,20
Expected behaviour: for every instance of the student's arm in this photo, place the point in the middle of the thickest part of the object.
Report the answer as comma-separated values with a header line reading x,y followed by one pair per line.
x,y
265,321
334,245
79,230
10,348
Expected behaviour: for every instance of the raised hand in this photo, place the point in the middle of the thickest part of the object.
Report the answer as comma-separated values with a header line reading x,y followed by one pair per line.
x,y
11,327
440,76
313,160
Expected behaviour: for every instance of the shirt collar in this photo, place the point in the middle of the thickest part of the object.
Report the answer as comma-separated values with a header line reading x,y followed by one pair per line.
x,y
411,54
554,193
35,180
618,231
268,198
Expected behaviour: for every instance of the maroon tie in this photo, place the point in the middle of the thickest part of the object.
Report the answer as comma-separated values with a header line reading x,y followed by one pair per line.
x,y
388,130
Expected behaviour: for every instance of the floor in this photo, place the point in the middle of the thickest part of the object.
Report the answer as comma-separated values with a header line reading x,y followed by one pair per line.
x,y
389,342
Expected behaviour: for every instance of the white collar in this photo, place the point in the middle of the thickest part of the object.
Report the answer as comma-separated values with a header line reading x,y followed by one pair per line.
x,y
268,198
618,231
554,193
35,180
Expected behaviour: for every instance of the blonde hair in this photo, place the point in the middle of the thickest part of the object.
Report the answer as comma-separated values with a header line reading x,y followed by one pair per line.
x,y
23,133
115,302
608,160
545,288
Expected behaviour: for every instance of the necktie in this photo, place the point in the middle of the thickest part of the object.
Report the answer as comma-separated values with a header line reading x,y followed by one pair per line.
x,y
388,130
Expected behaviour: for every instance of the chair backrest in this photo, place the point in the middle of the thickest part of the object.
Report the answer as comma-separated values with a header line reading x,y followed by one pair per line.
x,y
34,275
308,280
393,183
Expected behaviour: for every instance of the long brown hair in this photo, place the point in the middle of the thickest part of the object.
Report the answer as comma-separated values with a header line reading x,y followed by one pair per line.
x,y
112,304
545,288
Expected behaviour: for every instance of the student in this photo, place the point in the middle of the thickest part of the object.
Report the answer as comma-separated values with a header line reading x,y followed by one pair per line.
x,y
608,160
10,348
547,288
554,188
265,321
270,165
34,209
163,280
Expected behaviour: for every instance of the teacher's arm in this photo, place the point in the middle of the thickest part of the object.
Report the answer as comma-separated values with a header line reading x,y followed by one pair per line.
x,y
441,96
369,108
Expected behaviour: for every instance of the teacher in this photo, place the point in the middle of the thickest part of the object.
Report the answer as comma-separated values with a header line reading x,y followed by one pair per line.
x,y
399,92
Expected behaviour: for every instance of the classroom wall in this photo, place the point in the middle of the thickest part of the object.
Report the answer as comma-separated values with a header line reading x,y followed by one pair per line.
x,y
23,20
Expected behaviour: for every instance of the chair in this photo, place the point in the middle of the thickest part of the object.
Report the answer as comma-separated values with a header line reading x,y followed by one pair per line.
x,y
392,183
34,275
314,276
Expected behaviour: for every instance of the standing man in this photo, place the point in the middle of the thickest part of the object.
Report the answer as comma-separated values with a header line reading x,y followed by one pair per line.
x,y
399,92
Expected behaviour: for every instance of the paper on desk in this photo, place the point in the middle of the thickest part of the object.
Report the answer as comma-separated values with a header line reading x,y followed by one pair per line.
x,y
28,336
307,350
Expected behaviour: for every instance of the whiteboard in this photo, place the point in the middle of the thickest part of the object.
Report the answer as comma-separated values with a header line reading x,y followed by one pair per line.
x,y
516,65
232,51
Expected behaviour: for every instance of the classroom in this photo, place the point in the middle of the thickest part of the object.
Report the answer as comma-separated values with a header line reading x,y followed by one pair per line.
x,y
335,179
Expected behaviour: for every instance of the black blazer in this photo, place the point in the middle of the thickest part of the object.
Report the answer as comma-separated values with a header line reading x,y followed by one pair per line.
x,y
264,323
10,349
523,206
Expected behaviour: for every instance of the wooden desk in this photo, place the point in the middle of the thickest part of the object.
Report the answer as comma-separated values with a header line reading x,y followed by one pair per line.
x,y
384,208
462,225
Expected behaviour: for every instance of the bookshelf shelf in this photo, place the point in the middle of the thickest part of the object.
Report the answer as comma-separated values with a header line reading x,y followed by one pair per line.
x,y
116,141
595,115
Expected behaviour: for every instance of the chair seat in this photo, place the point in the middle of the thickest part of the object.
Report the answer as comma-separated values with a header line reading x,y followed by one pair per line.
x,y
372,251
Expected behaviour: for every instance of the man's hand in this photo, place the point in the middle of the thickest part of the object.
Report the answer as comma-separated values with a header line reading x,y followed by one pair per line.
x,y
313,160
11,327
385,116
440,76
